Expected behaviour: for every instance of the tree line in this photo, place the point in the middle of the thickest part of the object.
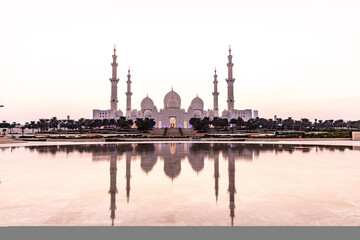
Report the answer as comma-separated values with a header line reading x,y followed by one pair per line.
x,y
304,124
123,124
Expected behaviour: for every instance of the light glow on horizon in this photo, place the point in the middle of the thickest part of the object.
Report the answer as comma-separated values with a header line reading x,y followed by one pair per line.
x,y
298,59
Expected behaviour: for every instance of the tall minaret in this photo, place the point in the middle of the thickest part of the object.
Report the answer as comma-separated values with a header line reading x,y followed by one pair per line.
x,y
128,95
216,94
230,82
114,81
113,190
231,189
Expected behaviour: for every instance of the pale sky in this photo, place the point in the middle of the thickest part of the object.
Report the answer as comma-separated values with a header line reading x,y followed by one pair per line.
x,y
291,58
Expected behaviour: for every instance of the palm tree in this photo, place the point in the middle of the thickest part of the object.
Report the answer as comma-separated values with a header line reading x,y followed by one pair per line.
x,y
22,130
54,122
33,125
12,126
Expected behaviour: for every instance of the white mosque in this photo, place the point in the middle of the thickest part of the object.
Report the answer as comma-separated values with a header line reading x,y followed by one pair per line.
x,y
172,115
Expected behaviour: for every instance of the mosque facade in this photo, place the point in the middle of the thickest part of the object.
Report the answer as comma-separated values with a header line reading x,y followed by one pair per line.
x,y
172,115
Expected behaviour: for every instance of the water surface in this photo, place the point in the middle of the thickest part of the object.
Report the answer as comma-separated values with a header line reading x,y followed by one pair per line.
x,y
179,184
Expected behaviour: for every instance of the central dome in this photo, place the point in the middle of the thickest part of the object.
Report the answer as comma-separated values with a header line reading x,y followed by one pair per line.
x,y
169,96
172,103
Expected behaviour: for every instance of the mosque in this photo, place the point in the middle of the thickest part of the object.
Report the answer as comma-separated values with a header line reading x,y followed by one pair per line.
x,y
172,115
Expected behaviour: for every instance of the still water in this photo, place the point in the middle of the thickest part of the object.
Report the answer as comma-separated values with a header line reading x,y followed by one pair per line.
x,y
189,184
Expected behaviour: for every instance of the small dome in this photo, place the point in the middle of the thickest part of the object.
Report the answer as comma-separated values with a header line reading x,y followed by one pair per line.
x,y
172,103
119,113
197,103
197,114
154,110
170,95
147,114
133,113
147,104
211,113
225,114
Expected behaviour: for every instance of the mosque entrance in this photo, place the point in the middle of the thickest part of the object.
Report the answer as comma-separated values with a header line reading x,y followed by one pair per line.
x,y
172,122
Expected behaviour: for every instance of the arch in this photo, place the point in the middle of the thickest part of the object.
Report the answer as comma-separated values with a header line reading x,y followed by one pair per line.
x,y
159,124
172,122
185,124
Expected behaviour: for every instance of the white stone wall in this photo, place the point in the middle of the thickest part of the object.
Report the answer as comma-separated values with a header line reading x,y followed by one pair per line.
x,y
102,114
356,136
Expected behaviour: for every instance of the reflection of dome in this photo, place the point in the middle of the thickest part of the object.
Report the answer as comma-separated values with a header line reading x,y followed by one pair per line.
x,y
197,163
133,113
172,103
211,113
225,113
197,104
172,167
174,95
147,163
147,114
147,104
197,114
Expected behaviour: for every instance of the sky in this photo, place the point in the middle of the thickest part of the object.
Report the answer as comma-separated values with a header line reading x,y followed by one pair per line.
x,y
291,58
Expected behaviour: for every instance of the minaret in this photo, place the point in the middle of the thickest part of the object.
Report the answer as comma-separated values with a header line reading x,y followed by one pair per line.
x,y
230,82
114,81
216,94
128,175
113,190
128,95
216,175
231,189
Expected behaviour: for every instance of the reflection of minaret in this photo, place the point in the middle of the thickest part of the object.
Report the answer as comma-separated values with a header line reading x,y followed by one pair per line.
x,y
113,189
114,82
128,95
216,175
216,94
230,82
231,189
128,175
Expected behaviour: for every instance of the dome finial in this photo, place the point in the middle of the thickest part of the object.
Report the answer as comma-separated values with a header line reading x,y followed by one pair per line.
x,y
129,69
229,49
114,48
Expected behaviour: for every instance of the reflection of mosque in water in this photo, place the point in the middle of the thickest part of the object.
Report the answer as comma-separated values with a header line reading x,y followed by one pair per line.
x,y
172,154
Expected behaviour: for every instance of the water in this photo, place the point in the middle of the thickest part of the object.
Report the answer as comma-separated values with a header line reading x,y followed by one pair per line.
x,y
189,184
